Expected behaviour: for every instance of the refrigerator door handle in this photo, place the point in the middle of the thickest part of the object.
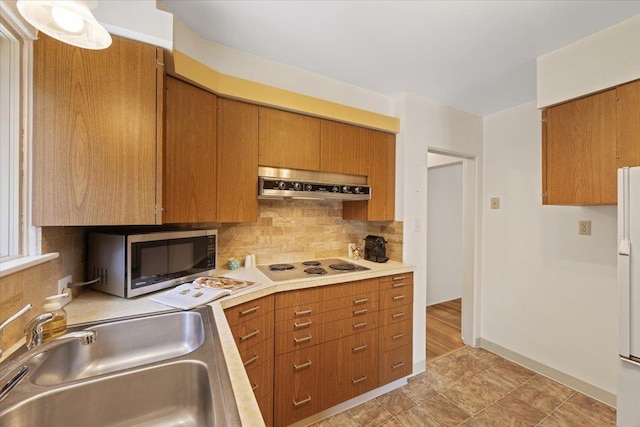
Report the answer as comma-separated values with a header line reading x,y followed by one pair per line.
x,y
624,261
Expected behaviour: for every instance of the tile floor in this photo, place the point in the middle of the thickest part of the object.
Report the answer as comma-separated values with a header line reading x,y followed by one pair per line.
x,y
476,388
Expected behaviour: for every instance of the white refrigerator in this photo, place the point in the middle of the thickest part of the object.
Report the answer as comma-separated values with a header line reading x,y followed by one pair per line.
x,y
628,406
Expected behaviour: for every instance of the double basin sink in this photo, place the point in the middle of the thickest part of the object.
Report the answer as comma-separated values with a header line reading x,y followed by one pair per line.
x,y
158,370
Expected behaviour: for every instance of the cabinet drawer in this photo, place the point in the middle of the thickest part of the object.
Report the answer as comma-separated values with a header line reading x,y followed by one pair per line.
x,y
261,378
297,385
351,289
353,308
299,298
265,403
396,281
350,326
396,314
395,364
394,297
395,335
249,310
252,332
299,338
257,354
299,313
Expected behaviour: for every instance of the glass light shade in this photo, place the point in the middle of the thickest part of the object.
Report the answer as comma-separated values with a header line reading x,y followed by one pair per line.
x,y
69,21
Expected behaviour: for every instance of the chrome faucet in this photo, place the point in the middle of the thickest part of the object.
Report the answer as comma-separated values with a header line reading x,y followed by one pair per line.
x,y
33,331
85,337
12,318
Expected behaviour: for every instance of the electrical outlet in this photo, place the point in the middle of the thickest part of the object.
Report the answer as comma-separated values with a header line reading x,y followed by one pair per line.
x,y
62,288
418,225
584,228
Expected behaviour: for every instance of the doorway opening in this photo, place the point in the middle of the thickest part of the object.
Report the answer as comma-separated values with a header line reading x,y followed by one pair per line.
x,y
449,291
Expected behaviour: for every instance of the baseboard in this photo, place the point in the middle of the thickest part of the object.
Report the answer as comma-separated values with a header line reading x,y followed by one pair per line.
x,y
351,403
552,373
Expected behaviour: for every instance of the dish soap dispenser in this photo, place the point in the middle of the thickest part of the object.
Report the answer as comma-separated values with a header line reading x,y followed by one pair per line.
x,y
58,324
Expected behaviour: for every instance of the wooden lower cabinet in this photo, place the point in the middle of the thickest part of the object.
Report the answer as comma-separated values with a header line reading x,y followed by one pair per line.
x,y
329,344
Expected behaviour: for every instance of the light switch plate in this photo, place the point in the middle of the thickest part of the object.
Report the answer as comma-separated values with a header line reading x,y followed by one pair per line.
x,y
495,203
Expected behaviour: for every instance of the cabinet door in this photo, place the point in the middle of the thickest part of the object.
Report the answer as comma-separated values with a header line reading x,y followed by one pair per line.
x,y
297,385
628,124
380,154
342,148
579,151
190,154
96,133
237,161
289,140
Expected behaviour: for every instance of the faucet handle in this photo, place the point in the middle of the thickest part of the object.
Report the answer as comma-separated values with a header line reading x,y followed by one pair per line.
x,y
33,330
21,312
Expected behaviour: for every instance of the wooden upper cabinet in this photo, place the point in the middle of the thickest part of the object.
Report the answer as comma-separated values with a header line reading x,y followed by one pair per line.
x,y
288,140
579,151
379,150
190,154
97,133
342,148
628,124
237,161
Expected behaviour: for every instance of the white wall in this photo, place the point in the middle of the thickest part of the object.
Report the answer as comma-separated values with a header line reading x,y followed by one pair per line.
x,y
444,233
547,293
426,124
602,60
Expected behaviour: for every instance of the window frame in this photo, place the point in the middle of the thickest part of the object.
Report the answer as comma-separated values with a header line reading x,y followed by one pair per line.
x,y
27,250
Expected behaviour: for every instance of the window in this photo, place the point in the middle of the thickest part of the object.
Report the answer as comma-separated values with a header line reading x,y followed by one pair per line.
x,y
10,170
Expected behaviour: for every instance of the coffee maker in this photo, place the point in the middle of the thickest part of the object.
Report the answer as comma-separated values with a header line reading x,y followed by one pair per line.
x,y
375,249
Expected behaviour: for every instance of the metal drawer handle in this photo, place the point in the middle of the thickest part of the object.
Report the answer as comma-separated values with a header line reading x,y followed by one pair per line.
x,y
255,387
304,339
302,313
302,402
359,380
302,325
252,334
250,310
360,301
359,325
395,337
398,278
253,359
397,297
362,347
395,316
397,365
304,365
397,285
359,312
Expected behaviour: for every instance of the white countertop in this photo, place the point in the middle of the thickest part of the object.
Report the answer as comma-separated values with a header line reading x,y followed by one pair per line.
x,y
92,306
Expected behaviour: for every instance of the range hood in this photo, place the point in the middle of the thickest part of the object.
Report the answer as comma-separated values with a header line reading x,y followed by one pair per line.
x,y
278,183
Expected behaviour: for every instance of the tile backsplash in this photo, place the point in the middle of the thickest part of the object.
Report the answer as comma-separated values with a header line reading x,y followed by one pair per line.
x,y
287,230
36,283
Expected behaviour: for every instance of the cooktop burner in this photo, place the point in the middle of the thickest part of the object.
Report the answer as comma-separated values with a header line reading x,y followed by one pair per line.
x,y
315,270
281,267
345,266
308,269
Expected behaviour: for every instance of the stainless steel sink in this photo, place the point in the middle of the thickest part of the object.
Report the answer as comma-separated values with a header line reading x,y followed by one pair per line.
x,y
176,394
122,345
160,370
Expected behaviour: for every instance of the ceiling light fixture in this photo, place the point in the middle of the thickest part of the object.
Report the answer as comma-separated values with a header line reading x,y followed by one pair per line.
x,y
69,21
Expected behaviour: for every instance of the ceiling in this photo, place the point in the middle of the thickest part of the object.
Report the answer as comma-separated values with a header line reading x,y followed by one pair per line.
x,y
477,56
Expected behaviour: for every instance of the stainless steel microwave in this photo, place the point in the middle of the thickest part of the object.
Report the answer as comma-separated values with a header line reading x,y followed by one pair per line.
x,y
128,265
